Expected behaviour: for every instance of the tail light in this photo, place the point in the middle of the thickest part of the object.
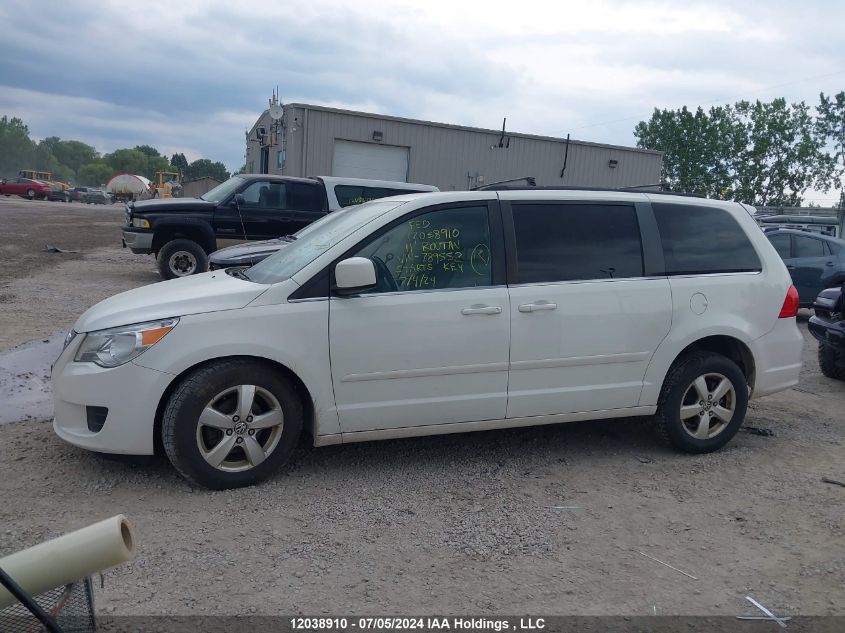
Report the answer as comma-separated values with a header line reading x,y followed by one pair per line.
x,y
790,304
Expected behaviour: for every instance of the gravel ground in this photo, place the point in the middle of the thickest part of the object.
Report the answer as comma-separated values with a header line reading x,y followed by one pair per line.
x,y
452,524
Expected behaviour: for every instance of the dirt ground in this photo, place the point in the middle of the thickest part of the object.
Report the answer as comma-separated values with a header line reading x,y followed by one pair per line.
x,y
452,524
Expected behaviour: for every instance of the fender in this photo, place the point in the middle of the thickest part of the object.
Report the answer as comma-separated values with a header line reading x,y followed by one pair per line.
x,y
194,226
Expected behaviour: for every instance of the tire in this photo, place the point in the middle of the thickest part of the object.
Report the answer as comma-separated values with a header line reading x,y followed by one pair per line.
x,y
181,258
681,387
30,193
215,393
831,362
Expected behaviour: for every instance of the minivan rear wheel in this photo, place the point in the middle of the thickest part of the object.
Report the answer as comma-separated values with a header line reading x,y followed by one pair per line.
x,y
703,403
231,423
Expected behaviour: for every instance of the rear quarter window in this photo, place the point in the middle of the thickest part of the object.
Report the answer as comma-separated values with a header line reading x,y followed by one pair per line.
x,y
700,240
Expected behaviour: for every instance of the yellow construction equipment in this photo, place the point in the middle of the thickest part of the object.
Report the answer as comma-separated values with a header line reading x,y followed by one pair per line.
x,y
168,184
44,176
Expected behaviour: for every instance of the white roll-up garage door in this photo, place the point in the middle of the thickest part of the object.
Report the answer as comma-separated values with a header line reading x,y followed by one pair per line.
x,y
369,160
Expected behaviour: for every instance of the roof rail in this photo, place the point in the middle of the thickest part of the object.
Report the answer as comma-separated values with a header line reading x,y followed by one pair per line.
x,y
507,187
530,182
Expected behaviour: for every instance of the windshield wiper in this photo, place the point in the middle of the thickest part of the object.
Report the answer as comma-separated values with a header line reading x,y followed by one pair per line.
x,y
240,273
288,238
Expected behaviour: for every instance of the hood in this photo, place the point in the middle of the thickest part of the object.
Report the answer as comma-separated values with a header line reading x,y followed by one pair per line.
x,y
208,292
157,205
248,249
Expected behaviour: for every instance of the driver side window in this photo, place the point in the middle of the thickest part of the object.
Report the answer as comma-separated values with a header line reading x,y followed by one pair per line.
x,y
447,248
265,195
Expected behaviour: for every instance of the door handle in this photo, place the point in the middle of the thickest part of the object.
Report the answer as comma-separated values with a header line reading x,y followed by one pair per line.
x,y
534,307
828,264
480,309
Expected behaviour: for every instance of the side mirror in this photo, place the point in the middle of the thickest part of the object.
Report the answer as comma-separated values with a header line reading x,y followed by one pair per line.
x,y
354,274
238,200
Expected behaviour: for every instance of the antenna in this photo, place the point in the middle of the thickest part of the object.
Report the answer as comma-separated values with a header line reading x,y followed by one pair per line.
x,y
276,110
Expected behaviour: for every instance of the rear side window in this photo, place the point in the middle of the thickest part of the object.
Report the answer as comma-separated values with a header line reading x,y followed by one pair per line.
x,y
808,247
567,242
304,197
700,240
347,195
781,243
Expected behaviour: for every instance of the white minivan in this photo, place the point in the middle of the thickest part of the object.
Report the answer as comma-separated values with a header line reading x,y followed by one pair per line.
x,y
441,313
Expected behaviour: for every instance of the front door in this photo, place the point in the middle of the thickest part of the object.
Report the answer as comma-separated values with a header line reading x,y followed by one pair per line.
x,y
585,320
262,215
429,345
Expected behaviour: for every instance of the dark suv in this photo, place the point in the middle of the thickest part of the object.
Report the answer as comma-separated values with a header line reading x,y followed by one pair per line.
x,y
814,261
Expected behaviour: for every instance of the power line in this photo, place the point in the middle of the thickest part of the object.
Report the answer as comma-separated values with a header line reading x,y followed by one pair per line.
x,y
763,89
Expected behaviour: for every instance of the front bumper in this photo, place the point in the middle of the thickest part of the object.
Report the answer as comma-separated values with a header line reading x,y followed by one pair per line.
x,y
131,394
139,241
830,333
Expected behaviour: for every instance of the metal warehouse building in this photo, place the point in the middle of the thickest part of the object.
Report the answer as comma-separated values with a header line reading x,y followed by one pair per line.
x,y
297,139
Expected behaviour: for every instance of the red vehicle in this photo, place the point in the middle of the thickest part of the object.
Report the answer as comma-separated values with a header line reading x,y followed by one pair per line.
x,y
25,188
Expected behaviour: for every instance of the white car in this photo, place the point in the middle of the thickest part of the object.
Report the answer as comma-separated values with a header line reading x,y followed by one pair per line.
x,y
441,313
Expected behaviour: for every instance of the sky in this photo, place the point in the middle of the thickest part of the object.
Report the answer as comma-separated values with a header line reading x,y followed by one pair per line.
x,y
193,76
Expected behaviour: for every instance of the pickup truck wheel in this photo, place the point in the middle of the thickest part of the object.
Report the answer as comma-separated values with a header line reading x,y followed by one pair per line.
x,y
231,423
703,403
30,193
832,362
180,258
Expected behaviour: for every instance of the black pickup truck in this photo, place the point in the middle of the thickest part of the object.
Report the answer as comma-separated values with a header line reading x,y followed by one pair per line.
x,y
828,326
181,232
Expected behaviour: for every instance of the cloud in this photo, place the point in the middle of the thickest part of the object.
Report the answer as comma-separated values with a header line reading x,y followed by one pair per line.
x,y
193,79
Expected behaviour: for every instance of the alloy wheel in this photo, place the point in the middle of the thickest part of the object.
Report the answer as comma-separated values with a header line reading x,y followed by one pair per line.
x,y
239,428
708,406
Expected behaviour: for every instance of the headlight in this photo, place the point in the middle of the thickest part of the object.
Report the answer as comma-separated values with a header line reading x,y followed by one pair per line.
x,y
119,345
70,336
140,223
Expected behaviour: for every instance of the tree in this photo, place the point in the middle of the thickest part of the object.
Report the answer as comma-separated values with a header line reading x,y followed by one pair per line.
x,y
179,162
95,174
17,151
784,155
203,168
763,153
73,154
130,161
156,163
148,150
830,123
44,160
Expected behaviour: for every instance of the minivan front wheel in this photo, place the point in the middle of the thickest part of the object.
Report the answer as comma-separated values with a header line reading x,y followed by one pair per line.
x,y
703,402
231,423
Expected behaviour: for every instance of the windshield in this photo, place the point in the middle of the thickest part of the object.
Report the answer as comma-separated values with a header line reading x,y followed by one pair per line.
x,y
223,190
315,239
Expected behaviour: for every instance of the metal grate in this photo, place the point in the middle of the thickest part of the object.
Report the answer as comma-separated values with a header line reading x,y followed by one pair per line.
x,y
72,606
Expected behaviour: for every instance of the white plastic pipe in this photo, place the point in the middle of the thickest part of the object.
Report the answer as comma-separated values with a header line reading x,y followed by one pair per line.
x,y
69,558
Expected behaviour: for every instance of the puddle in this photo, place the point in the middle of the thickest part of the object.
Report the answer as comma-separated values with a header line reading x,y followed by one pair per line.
x,y
25,380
